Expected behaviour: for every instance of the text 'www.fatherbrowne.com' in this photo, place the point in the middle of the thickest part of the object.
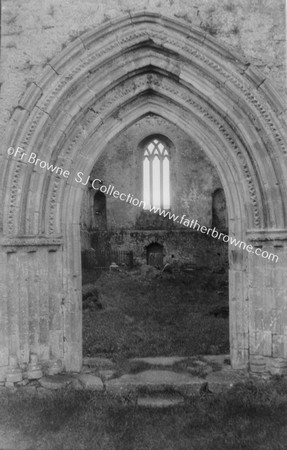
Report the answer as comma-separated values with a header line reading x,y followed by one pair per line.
x,y
97,184
214,233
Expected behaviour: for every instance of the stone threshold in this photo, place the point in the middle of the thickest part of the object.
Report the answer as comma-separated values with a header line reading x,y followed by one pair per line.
x,y
151,382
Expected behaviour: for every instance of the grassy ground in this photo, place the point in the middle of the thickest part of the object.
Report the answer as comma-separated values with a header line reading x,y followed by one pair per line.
x,y
161,315
249,417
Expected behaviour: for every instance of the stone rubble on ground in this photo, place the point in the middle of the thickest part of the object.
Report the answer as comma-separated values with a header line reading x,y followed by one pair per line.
x,y
55,382
107,374
157,387
91,382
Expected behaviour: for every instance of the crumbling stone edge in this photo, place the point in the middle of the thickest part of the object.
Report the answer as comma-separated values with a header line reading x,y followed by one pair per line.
x,y
45,378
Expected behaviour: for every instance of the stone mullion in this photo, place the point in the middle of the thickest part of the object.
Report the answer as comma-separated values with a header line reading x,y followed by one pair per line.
x,y
161,180
268,307
151,179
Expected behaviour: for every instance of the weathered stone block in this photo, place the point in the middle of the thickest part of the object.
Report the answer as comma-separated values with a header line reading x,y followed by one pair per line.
x,y
258,319
23,383
268,299
14,373
107,374
34,370
239,358
3,371
280,296
258,364
261,343
278,366
256,274
277,346
256,297
91,382
55,367
55,382
10,384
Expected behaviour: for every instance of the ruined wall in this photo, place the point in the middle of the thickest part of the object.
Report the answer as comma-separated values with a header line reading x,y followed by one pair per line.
x,y
34,31
180,246
193,179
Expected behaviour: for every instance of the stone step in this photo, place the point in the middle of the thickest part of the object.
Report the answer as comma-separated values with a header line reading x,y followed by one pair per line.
x,y
151,381
159,360
160,401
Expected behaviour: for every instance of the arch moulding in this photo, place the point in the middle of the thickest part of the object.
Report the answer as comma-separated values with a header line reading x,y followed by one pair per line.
x,y
99,85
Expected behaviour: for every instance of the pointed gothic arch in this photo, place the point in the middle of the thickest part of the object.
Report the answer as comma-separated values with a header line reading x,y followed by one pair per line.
x,y
100,84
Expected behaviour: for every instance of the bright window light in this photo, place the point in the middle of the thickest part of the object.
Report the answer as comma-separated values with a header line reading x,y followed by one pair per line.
x,y
156,175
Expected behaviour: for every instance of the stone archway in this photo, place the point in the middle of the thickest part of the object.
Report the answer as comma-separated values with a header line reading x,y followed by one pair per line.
x,y
101,83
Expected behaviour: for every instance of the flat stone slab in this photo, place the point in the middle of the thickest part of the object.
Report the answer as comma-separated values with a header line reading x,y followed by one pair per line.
x,y
76,385
160,360
204,369
217,359
160,401
155,381
98,362
55,381
23,382
224,379
91,382
107,374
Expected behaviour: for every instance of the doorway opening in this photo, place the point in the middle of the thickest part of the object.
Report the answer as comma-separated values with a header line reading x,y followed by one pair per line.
x,y
154,255
159,288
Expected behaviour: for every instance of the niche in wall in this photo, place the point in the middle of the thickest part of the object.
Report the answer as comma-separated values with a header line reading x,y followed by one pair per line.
x,y
154,255
219,210
100,210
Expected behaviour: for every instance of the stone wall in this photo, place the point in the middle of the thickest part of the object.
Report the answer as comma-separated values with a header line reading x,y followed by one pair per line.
x,y
98,86
183,247
34,31
193,179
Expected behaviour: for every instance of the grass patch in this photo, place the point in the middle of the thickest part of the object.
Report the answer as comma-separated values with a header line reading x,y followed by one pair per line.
x,y
249,416
161,316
